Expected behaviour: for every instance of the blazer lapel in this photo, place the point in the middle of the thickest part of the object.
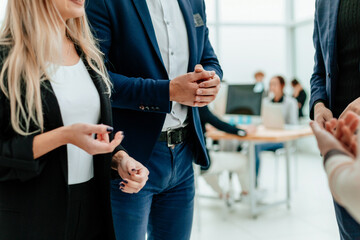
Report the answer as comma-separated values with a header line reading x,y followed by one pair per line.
x,y
332,37
145,17
188,14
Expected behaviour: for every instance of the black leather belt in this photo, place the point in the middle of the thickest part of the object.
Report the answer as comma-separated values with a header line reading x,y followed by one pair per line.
x,y
174,136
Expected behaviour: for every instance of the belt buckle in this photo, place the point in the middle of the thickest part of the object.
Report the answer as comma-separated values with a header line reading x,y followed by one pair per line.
x,y
168,134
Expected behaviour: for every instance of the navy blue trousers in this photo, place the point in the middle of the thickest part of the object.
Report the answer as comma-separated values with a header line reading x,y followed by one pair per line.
x,y
164,207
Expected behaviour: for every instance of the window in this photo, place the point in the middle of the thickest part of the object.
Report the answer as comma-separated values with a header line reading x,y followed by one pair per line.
x,y
252,11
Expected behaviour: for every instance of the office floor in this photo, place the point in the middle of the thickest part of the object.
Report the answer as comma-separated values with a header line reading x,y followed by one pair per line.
x,y
311,216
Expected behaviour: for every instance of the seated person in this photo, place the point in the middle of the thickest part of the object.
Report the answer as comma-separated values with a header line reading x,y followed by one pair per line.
x,y
342,166
206,116
300,95
291,116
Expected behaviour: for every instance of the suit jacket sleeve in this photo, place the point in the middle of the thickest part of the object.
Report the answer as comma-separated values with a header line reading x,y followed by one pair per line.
x,y
135,92
206,116
318,79
344,181
16,151
209,59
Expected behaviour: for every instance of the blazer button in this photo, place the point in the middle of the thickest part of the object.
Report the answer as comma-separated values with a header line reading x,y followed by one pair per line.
x,y
142,107
147,108
157,108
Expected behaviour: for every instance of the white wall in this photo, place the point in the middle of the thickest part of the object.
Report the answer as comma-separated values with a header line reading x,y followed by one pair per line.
x,y
2,9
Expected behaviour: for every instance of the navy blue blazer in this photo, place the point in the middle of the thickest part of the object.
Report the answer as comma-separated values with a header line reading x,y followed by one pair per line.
x,y
325,76
141,84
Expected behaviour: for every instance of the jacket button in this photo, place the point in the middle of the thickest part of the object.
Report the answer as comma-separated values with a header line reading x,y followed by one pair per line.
x,y
147,108
157,109
142,107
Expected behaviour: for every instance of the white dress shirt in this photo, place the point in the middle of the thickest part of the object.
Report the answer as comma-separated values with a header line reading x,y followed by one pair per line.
x,y
79,102
172,38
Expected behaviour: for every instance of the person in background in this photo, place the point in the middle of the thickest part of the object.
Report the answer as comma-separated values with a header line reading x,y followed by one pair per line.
x,y
163,68
259,82
55,157
341,161
218,165
335,80
299,94
290,110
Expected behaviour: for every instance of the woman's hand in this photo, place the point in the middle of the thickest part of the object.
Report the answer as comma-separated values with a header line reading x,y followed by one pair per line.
x,y
353,106
250,129
133,173
82,136
327,141
345,130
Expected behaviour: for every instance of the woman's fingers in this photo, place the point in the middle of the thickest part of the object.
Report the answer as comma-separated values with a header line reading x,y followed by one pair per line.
x,y
331,125
130,186
347,136
338,132
101,147
98,129
119,136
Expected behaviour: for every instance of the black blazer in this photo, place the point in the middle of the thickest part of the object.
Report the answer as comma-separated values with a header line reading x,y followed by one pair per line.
x,y
34,192
208,117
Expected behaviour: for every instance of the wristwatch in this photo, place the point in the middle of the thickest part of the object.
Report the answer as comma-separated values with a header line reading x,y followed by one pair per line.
x,y
241,133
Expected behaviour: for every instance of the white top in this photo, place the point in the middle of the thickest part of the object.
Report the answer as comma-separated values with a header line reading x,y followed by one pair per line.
x,y
344,180
172,39
79,102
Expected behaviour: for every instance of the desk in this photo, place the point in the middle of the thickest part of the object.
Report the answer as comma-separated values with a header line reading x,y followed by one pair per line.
x,y
265,135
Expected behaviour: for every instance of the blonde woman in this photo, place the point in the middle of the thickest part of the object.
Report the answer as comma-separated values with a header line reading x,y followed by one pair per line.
x,y
54,93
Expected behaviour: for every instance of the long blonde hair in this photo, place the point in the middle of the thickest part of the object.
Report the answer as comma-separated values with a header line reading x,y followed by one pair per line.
x,y
31,32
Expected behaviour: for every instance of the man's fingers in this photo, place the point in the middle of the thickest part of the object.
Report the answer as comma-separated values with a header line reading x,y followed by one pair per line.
x,y
205,99
321,122
199,68
203,75
200,104
213,82
315,127
207,91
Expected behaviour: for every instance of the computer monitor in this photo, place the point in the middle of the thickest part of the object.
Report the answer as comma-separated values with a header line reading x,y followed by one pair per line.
x,y
243,100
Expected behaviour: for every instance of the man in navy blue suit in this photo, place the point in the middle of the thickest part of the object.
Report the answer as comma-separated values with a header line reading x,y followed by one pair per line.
x,y
335,84
163,67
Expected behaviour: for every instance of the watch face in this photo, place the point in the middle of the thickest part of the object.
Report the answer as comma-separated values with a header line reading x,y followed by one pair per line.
x,y
242,133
